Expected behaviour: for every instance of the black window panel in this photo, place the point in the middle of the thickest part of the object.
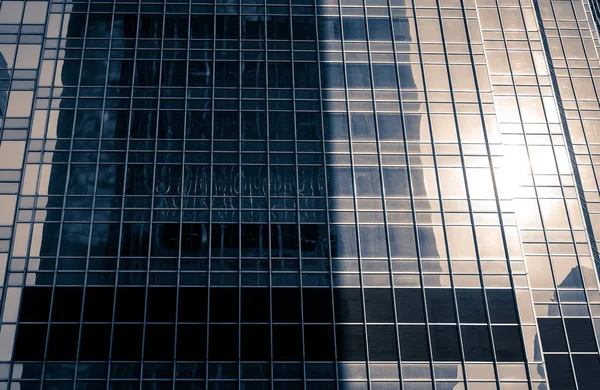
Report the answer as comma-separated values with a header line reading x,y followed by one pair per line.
x,y
413,343
98,25
150,26
560,374
127,342
379,29
281,124
280,75
507,342
470,306
319,343
278,27
165,236
440,305
62,342
308,126
253,75
192,304
306,74
552,335
304,28
350,342
587,371
159,342
194,236
170,124
224,304
173,74
382,343
287,342
199,125
227,74
314,238
286,305
223,342
255,342
67,304
254,123
379,305
31,342
139,182
147,73
176,26
444,343
127,23
130,304
476,343
348,305
501,305
224,237
581,335
191,342
284,239
226,125
409,305
354,29
255,305
35,304
253,27
95,342
317,305
143,124
227,26
161,304
202,26
120,72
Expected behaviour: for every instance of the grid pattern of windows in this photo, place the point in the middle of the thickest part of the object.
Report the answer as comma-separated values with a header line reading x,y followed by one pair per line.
x,y
298,194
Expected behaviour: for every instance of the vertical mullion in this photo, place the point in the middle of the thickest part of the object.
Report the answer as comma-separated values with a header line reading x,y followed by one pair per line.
x,y
182,197
210,191
328,221
123,196
355,193
297,211
94,196
154,192
64,203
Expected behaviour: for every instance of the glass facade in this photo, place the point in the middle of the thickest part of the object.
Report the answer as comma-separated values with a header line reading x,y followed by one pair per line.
x,y
299,194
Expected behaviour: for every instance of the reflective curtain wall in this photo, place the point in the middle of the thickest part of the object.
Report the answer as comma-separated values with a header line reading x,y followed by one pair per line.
x,y
329,194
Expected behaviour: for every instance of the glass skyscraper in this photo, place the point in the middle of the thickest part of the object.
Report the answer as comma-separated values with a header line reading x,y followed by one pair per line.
x,y
299,194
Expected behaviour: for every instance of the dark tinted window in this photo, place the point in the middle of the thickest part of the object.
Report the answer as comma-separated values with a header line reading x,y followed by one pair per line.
x,y
507,340
581,335
350,342
413,342
410,305
476,343
501,306
552,335
560,374
444,343
470,305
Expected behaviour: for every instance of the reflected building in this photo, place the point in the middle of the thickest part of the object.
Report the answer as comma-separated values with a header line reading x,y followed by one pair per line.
x,y
300,195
